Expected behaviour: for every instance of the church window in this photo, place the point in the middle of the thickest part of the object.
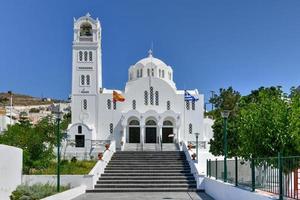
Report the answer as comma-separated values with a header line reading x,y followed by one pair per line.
x,y
134,122
79,141
148,72
90,56
151,95
146,98
108,104
115,105
167,123
134,104
193,105
168,105
138,73
111,128
163,73
156,98
79,129
190,128
82,80
85,56
150,123
85,104
187,104
88,80
141,73
130,76
80,55
152,72
159,72
85,29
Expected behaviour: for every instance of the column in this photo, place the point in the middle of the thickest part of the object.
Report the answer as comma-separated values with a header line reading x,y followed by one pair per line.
x,y
124,136
160,134
142,135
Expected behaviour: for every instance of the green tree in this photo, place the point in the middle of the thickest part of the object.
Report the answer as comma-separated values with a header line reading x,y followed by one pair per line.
x,y
227,99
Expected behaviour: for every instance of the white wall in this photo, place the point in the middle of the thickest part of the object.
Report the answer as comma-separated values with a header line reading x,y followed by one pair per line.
x,y
225,191
11,159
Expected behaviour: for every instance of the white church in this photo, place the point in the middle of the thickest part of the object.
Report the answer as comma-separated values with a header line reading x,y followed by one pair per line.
x,y
154,112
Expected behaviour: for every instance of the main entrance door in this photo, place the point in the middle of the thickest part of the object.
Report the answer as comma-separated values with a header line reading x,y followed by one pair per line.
x,y
166,133
150,135
134,134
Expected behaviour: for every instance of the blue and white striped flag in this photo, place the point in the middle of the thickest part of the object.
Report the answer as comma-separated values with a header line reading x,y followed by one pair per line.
x,y
189,97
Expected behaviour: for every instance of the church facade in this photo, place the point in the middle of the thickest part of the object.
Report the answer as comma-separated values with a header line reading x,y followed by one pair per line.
x,y
154,110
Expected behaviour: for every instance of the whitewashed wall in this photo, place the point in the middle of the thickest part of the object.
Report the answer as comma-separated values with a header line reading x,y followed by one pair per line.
x,y
11,159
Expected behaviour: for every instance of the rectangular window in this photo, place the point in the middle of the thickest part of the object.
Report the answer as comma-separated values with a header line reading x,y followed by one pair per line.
x,y
79,141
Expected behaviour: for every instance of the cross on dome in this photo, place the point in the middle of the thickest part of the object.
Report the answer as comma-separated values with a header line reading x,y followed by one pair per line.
x,y
150,52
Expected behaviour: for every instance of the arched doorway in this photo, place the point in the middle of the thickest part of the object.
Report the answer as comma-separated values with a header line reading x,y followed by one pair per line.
x,y
134,131
167,132
151,129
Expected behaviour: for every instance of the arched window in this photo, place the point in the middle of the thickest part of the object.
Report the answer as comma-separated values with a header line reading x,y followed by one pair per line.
x,y
115,105
111,128
82,80
134,122
148,72
141,73
90,56
130,76
167,123
137,73
151,123
85,29
85,105
79,129
159,72
190,128
187,104
133,104
156,98
168,105
88,79
108,104
152,72
146,98
80,55
85,55
169,75
151,95
193,105
163,73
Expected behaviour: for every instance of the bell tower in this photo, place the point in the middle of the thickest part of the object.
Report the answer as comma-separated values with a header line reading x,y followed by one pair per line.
x,y
86,70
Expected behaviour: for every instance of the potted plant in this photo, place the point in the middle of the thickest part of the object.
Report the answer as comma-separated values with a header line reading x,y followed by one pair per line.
x,y
100,155
107,146
194,156
190,146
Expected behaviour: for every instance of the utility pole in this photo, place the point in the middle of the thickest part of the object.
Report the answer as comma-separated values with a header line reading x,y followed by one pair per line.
x,y
212,95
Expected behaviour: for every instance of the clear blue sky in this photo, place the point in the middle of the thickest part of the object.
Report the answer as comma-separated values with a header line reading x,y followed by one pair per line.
x,y
210,44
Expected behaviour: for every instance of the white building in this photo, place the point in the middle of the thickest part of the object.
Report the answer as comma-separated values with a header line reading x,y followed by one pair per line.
x,y
154,109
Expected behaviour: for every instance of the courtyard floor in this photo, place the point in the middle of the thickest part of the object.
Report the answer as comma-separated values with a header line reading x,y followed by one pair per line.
x,y
145,195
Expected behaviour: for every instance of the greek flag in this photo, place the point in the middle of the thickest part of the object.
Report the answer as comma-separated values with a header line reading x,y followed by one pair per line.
x,y
189,97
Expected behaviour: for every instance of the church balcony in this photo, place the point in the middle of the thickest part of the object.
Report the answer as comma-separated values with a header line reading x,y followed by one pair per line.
x,y
86,38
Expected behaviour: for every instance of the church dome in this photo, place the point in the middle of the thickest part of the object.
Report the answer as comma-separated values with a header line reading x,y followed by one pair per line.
x,y
151,67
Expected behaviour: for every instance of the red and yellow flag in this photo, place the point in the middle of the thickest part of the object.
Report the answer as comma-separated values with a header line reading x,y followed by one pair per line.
x,y
117,97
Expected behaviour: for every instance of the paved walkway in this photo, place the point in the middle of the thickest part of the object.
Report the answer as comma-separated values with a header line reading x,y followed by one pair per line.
x,y
145,196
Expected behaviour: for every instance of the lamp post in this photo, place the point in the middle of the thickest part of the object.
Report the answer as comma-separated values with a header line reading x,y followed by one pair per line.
x,y
58,114
197,136
225,115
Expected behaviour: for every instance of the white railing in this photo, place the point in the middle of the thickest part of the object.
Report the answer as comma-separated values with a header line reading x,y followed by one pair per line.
x,y
99,168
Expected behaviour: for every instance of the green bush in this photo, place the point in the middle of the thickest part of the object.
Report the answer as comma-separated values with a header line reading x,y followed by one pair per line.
x,y
35,192
66,167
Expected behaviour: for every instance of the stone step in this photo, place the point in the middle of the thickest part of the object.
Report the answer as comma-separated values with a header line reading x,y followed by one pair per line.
x,y
147,174
139,171
185,181
146,168
174,177
144,185
147,165
184,189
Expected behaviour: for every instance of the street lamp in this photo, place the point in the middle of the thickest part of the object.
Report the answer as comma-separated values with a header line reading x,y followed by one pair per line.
x,y
225,115
197,136
58,115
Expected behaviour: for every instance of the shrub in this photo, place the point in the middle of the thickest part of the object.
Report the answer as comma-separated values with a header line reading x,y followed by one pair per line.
x,y
35,192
